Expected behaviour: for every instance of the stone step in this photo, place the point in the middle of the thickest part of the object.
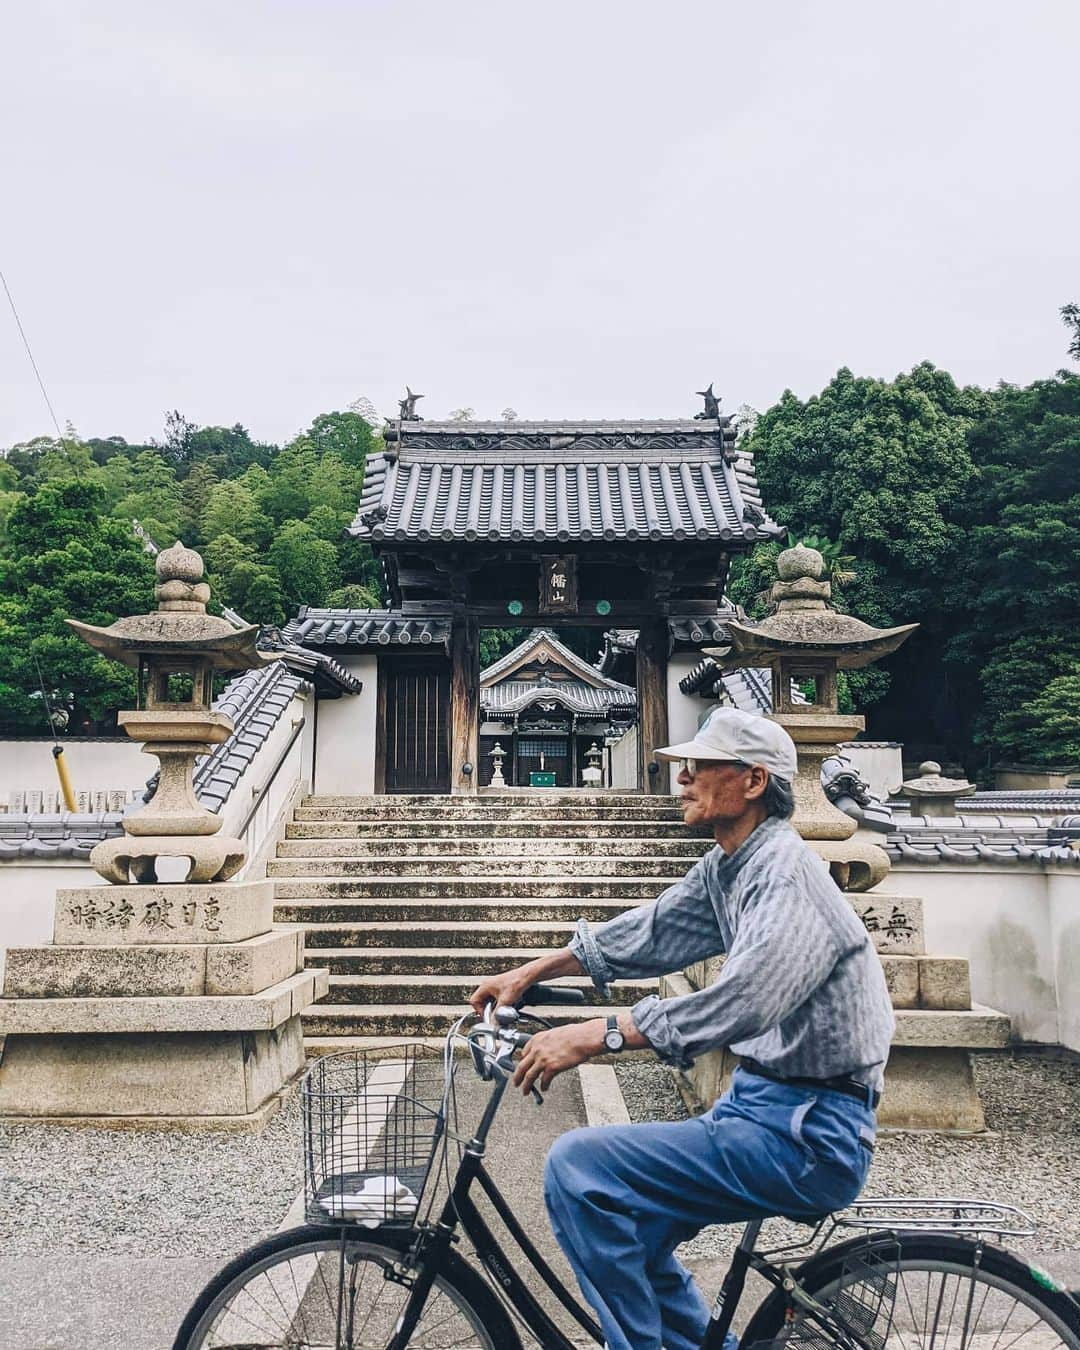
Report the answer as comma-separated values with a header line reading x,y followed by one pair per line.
x,y
483,908
451,889
980,1028
452,990
977,1028
420,1019
171,970
914,982
499,812
443,935
541,798
396,850
474,866
263,1011
546,827
467,961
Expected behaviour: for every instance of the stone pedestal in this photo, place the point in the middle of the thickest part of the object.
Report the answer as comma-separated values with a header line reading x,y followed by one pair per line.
x,y
928,1080
156,1004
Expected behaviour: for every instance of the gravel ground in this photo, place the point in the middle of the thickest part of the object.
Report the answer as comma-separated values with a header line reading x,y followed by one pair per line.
x,y
1030,1158
117,1192
142,1192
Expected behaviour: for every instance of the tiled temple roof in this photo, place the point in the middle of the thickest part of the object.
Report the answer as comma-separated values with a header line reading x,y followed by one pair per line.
x,y
589,692
542,481
365,628
512,696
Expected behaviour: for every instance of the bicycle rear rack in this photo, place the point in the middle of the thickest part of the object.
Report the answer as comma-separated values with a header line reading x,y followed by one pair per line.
x,y
911,1213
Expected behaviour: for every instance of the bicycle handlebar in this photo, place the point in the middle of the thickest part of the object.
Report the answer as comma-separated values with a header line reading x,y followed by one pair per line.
x,y
541,995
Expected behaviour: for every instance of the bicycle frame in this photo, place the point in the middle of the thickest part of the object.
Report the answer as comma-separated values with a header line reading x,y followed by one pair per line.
x,y
461,1211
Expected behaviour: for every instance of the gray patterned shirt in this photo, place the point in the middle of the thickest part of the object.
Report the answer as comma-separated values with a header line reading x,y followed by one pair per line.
x,y
802,990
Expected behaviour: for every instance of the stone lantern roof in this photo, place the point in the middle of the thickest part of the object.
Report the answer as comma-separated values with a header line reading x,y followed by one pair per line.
x,y
805,622
180,624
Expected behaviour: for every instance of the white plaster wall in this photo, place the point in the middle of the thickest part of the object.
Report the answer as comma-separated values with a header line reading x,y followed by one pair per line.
x,y
879,763
624,761
1013,932
94,766
345,742
1063,889
685,712
28,899
271,790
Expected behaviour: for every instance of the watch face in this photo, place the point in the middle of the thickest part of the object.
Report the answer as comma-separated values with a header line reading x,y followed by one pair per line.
x,y
613,1040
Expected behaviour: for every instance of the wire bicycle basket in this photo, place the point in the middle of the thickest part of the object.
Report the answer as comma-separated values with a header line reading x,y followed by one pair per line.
x,y
372,1123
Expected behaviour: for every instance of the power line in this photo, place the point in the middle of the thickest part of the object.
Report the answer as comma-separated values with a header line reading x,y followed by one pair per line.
x,y
30,354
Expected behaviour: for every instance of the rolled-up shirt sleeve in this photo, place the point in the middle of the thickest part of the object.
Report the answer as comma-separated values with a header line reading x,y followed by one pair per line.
x,y
780,955
676,929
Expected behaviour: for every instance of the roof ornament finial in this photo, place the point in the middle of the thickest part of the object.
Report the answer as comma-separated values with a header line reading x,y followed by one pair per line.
x,y
712,405
407,406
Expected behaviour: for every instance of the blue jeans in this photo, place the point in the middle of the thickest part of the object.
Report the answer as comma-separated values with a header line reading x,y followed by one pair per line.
x,y
622,1197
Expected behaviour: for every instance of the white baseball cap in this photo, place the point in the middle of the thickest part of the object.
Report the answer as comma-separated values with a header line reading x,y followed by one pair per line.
x,y
729,733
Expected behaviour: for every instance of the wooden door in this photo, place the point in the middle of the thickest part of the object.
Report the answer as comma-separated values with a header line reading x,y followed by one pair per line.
x,y
417,735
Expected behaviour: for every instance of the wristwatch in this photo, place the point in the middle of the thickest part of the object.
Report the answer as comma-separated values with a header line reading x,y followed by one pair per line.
x,y
614,1040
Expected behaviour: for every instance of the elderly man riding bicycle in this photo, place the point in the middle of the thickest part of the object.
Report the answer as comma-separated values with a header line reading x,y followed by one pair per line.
x,y
801,999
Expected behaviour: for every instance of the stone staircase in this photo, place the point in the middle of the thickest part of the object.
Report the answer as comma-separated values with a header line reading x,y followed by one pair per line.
x,y
408,900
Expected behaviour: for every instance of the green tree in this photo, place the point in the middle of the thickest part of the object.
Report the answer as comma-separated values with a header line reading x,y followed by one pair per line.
x,y
66,558
255,593
344,434
1046,729
1015,600
231,509
307,565
354,596
153,498
879,468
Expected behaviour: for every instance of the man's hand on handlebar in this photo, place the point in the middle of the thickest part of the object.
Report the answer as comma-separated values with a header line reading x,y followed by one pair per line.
x,y
509,987
502,990
553,1052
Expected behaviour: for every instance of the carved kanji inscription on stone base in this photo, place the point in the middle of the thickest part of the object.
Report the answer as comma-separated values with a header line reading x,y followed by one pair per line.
x,y
894,922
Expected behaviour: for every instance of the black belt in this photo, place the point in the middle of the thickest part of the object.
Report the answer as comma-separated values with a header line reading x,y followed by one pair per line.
x,y
850,1087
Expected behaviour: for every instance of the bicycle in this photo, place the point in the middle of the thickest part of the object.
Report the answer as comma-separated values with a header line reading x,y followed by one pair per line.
x,y
376,1265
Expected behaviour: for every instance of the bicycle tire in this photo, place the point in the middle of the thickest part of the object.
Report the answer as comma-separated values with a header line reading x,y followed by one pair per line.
x,y
934,1254
482,1312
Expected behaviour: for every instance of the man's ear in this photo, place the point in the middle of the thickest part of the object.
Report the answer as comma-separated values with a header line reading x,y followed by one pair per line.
x,y
759,781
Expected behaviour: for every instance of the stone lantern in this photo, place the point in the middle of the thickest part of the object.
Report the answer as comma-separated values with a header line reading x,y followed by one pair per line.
x,y
162,999
931,794
177,650
805,641
593,775
929,1082
498,754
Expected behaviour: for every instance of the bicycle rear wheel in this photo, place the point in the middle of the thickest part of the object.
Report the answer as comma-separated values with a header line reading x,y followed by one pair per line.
x,y
949,1295
306,1290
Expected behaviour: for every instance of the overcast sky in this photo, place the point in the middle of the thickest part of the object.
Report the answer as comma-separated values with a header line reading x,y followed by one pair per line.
x,y
256,212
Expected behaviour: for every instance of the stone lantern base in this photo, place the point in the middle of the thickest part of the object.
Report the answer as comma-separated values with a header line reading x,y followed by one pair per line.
x,y
929,1084
156,1004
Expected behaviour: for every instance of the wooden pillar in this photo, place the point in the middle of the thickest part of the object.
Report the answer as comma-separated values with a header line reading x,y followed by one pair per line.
x,y
464,702
652,664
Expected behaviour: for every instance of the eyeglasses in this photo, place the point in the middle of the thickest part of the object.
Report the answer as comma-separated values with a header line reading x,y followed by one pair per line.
x,y
694,766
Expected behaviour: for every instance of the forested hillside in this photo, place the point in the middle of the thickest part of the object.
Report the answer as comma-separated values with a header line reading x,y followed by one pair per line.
x,y
957,507
269,521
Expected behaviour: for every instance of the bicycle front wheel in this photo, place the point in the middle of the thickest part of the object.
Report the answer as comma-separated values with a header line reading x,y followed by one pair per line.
x,y
308,1289
934,1292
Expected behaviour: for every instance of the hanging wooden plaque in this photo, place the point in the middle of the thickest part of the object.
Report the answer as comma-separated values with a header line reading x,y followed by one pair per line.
x,y
558,585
